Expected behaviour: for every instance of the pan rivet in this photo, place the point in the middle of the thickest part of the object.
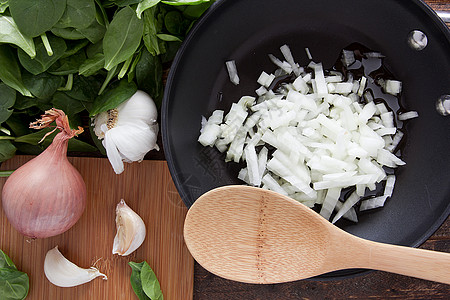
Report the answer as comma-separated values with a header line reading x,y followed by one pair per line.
x,y
443,105
417,40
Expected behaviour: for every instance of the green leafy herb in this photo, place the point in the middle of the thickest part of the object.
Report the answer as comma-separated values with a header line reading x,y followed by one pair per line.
x,y
36,17
10,71
78,14
84,57
9,33
14,284
144,282
117,93
42,61
122,37
7,100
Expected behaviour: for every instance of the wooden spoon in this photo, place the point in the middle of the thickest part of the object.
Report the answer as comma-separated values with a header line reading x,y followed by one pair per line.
x,y
253,235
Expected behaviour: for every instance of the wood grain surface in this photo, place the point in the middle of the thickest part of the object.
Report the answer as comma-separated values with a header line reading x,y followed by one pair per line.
x,y
148,189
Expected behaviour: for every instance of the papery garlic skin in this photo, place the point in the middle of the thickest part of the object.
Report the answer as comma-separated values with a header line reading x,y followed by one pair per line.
x,y
63,273
129,131
130,230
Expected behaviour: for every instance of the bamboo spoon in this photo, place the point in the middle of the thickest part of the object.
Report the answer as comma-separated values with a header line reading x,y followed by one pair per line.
x,y
253,235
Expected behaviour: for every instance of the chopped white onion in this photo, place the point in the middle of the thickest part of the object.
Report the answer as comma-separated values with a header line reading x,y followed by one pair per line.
x,y
232,71
322,139
408,115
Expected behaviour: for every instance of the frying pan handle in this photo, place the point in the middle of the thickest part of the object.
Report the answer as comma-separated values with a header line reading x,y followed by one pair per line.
x,y
444,15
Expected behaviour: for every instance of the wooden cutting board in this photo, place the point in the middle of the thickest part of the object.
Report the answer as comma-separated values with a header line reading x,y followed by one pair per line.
x,y
148,189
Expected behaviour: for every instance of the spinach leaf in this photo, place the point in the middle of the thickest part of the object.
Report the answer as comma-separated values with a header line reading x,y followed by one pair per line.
x,y
84,89
7,151
17,124
35,137
174,22
149,76
43,61
144,5
10,70
122,37
122,3
135,280
113,96
36,17
78,14
3,5
92,65
43,85
14,284
94,32
74,46
9,33
69,105
184,2
7,100
150,283
5,261
67,65
67,33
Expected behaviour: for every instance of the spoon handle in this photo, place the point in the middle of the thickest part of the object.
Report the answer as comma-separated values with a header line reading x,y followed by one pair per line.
x,y
420,263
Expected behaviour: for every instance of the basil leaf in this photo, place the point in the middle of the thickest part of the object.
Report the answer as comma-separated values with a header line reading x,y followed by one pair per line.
x,y
113,96
135,280
10,71
149,76
122,38
196,11
150,283
7,151
43,61
144,5
168,37
14,284
36,17
78,14
5,261
150,29
9,33
7,100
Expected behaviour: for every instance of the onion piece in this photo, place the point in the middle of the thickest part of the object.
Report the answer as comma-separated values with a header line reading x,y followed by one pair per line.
x,y
232,71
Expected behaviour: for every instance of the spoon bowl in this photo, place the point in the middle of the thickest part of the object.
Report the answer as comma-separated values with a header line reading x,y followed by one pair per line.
x,y
254,235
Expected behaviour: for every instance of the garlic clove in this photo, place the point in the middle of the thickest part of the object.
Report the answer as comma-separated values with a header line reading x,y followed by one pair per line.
x,y
130,230
63,273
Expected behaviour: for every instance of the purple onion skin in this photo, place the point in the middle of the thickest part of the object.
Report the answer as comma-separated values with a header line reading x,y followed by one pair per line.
x,y
47,195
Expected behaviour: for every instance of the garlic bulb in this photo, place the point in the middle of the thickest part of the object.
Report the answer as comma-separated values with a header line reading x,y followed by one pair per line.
x,y
62,272
130,230
129,131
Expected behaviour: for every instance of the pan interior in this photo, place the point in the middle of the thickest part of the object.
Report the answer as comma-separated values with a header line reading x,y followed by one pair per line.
x,y
248,30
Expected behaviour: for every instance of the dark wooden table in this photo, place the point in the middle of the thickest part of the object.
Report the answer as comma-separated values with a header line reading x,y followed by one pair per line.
x,y
376,284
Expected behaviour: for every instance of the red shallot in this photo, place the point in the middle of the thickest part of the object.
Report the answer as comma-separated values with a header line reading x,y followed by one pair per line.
x,y
47,195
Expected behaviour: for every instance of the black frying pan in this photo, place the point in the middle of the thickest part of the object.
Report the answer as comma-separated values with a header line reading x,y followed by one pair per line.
x,y
248,30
